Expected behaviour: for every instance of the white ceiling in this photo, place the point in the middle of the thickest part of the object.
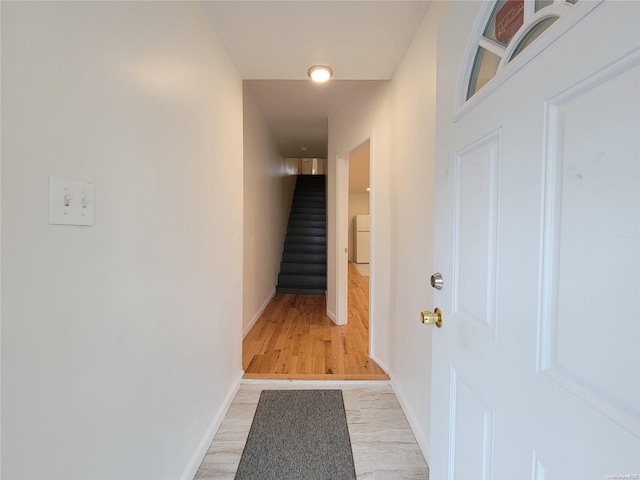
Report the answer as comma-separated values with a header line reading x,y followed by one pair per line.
x,y
297,111
279,40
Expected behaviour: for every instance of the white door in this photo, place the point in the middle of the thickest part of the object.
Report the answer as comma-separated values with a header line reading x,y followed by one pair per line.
x,y
537,367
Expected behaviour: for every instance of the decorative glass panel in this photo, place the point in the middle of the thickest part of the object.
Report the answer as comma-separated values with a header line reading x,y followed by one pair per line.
x,y
532,34
485,67
540,4
505,21
507,18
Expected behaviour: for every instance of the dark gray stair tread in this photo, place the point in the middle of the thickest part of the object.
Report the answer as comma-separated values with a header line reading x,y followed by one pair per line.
x,y
308,216
301,291
306,239
307,224
311,211
307,204
310,194
313,193
310,205
304,258
299,205
308,209
293,280
307,231
303,268
293,257
302,248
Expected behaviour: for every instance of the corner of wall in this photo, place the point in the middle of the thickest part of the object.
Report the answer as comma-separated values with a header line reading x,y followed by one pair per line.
x,y
201,450
267,192
422,437
246,328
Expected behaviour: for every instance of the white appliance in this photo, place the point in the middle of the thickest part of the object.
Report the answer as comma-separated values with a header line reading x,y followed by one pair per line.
x,y
361,245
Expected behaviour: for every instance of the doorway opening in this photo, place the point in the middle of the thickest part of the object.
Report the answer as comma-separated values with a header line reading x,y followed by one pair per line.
x,y
359,239
294,338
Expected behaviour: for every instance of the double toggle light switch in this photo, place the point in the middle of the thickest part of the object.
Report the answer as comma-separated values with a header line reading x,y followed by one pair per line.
x,y
70,202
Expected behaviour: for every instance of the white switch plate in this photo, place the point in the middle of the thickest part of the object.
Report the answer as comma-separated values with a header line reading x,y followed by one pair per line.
x,y
70,202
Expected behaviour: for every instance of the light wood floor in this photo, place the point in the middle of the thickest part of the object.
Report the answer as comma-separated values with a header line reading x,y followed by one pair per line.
x,y
382,442
295,340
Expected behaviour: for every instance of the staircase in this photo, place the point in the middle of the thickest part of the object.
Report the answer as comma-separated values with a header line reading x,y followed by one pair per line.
x,y
304,259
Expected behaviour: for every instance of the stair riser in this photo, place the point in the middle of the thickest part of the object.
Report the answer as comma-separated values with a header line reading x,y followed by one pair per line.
x,y
307,231
290,257
313,194
300,248
310,211
301,291
303,268
306,204
309,281
307,224
305,240
316,190
307,216
299,205
299,202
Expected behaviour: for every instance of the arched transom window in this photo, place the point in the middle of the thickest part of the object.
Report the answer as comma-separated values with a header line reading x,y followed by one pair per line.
x,y
512,26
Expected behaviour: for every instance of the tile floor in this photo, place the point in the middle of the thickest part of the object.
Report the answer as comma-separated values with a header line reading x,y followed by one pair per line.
x,y
383,445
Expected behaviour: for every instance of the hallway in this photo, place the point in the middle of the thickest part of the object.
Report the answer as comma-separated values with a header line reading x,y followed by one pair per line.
x,y
295,340
382,442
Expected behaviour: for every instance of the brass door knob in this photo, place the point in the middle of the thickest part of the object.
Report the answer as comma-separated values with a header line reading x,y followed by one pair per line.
x,y
432,318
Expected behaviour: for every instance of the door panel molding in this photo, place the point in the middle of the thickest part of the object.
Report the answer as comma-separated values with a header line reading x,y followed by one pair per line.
x,y
476,223
471,413
577,172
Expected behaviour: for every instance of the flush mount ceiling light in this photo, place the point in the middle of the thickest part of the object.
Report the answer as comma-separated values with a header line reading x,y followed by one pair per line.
x,y
320,73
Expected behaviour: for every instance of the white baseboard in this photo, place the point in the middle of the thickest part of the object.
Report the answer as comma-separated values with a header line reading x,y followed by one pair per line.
x,y
416,428
258,313
332,316
380,363
201,451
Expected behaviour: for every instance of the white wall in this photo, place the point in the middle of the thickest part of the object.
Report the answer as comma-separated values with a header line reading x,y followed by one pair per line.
x,y
121,342
268,190
414,91
349,127
402,118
